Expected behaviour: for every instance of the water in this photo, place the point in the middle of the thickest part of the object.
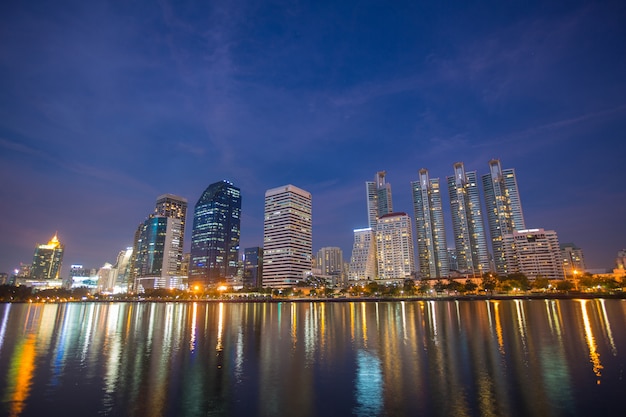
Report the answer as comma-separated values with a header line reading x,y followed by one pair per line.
x,y
447,358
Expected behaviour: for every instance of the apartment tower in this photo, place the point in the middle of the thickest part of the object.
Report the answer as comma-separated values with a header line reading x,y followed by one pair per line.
x,y
504,209
394,244
431,235
470,241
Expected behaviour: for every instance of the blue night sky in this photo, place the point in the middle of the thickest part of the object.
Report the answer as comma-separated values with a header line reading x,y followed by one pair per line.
x,y
105,105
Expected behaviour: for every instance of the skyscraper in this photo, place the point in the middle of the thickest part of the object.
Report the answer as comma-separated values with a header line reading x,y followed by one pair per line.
x,y
363,265
431,234
155,258
287,236
170,205
504,209
379,201
472,256
394,247
47,260
215,235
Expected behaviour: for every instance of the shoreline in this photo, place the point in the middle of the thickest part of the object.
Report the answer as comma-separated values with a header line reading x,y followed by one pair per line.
x,y
472,297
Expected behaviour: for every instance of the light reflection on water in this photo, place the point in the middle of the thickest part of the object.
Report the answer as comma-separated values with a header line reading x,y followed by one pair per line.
x,y
462,358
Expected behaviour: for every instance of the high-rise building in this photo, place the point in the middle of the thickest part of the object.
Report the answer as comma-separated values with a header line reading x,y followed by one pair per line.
x,y
534,253
47,260
394,247
504,209
215,235
330,260
252,267
363,265
170,205
470,241
287,236
431,235
379,200
156,262
121,269
573,260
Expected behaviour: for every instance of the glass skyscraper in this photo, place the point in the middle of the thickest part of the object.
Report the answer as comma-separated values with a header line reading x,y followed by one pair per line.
x,y
472,256
504,209
155,259
431,234
215,235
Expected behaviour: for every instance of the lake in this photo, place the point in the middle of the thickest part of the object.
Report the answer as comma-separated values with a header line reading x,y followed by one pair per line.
x,y
399,358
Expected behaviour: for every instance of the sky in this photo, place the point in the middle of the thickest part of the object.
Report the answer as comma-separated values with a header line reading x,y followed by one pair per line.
x,y
106,105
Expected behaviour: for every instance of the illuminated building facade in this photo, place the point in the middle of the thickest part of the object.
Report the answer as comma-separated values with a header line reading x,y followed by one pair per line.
x,y
215,236
573,259
534,253
504,209
47,260
394,247
470,241
287,236
431,235
170,205
363,265
330,260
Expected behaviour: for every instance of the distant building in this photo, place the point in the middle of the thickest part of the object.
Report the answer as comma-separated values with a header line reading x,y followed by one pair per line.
x,y
47,260
215,236
253,267
81,277
573,260
379,201
287,236
363,266
394,247
534,253
329,260
106,278
432,248
472,256
170,205
504,209
121,270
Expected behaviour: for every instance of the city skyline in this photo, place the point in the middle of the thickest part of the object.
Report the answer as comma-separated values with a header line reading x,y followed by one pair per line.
x,y
105,108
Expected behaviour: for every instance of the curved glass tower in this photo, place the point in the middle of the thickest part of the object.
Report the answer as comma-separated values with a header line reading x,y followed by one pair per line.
x,y
215,235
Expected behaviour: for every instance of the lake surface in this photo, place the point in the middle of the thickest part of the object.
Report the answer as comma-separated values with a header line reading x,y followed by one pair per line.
x,y
446,358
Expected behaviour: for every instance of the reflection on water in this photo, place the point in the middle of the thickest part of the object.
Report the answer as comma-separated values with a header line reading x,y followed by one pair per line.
x,y
461,358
